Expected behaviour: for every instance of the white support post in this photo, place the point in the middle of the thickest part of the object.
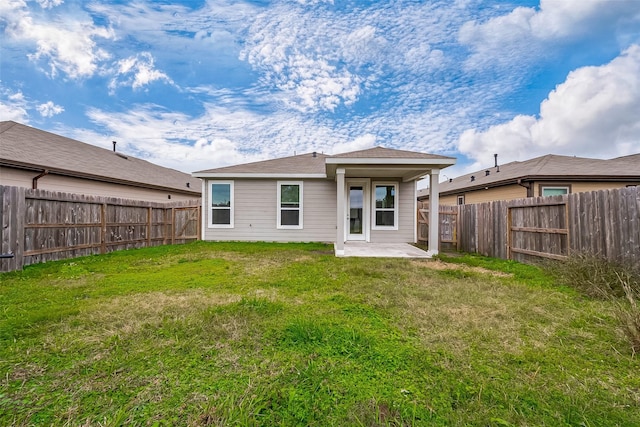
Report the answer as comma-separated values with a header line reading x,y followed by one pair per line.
x,y
434,212
340,194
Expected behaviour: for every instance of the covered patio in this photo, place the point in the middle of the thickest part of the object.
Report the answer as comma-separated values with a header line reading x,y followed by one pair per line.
x,y
372,220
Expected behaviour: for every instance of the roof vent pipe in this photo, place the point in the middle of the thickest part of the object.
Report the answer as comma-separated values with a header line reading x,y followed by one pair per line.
x,y
315,154
114,146
495,159
486,173
473,178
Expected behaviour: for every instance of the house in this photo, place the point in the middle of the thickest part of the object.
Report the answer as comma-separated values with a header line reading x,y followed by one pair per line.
x,y
367,196
542,176
33,158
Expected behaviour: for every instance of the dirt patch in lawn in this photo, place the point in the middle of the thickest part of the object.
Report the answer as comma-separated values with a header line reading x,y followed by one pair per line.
x,y
441,265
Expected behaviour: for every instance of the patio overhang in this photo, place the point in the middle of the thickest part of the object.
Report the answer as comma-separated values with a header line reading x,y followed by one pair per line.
x,y
406,169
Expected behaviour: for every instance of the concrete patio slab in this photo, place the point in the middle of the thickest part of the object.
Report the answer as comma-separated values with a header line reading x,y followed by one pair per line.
x,y
382,250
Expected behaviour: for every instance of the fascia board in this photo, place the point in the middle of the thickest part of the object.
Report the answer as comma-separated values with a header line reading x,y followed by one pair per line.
x,y
260,175
388,161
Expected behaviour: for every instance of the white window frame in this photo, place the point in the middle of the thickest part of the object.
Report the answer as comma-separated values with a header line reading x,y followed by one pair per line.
x,y
554,187
374,209
460,200
211,208
279,207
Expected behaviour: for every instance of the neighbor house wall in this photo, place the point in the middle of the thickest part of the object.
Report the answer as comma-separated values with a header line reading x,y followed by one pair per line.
x,y
255,204
580,187
514,191
506,192
406,218
24,178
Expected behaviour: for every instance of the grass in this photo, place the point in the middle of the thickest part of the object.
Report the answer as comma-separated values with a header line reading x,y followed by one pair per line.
x,y
210,334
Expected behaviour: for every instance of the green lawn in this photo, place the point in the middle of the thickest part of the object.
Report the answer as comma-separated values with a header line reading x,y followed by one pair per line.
x,y
269,334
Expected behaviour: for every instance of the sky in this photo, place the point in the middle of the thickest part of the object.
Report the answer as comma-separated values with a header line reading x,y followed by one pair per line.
x,y
195,85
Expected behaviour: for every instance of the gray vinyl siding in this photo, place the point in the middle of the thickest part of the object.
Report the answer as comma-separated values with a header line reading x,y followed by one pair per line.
x,y
255,213
406,218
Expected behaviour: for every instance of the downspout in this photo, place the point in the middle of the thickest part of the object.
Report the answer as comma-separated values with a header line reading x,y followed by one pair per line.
x,y
34,181
526,185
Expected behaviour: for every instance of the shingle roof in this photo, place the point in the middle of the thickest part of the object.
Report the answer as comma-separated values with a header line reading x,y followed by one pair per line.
x,y
388,153
315,163
27,147
309,163
548,167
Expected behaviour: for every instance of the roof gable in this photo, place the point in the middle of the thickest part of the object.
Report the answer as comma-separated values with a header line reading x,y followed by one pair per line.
x,y
387,153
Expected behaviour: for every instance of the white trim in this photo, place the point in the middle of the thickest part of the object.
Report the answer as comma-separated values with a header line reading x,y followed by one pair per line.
x,y
366,207
554,187
396,205
434,213
204,211
260,175
340,210
387,161
279,207
415,211
210,207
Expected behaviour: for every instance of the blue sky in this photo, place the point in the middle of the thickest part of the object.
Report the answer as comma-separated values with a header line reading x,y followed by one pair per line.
x,y
199,84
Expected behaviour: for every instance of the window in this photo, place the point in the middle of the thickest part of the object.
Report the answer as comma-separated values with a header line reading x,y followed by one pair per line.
x,y
461,200
385,209
221,204
554,191
289,205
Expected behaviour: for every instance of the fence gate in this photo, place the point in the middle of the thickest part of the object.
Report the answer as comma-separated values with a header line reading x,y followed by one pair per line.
x,y
186,223
540,230
448,225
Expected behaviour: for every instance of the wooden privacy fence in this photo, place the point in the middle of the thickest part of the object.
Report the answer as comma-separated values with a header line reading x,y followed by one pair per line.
x,y
40,226
603,223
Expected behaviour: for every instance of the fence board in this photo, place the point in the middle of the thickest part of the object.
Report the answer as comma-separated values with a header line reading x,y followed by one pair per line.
x,y
40,226
603,223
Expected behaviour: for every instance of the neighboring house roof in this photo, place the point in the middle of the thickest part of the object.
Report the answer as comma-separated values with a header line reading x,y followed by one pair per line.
x,y
400,163
545,168
29,148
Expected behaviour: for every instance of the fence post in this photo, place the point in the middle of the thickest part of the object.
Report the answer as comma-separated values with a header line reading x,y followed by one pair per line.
x,y
149,225
173,225
12,207
103,228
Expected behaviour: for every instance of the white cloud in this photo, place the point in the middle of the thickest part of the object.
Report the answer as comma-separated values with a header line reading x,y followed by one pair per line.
x,y
593,113
524,31
13,106
137,71
49,109
66,46
284,45
48,4
360,143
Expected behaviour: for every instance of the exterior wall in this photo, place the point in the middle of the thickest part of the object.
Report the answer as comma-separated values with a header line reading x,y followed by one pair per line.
x,y
580,187
23,178
506,192
255,204
406,218
514,191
